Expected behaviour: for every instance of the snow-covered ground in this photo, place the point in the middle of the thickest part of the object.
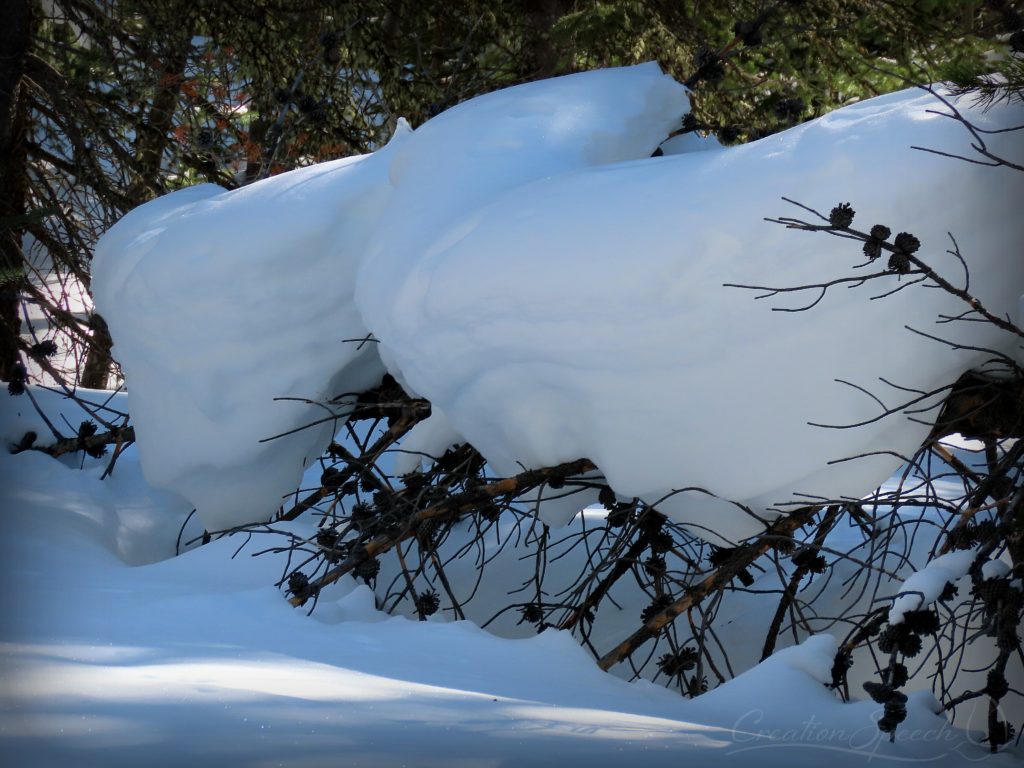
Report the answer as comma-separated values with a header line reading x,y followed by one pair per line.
x,y
556,292
115,652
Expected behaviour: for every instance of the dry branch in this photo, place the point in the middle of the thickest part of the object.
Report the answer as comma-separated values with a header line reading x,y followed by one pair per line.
x,y
90,443
451,507
743,557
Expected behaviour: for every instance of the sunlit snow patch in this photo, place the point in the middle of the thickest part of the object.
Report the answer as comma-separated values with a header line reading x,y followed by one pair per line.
x,y
587,314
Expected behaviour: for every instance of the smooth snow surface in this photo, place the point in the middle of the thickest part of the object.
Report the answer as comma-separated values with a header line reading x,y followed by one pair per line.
x,y
198,660
221,302
586,314
471,154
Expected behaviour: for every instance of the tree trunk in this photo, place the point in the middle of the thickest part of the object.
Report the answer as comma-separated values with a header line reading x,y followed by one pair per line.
x,y
540,57
156,129
15,34
98,362
149,151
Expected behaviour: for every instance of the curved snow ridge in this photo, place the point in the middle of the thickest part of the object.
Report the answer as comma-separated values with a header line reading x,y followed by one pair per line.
x,y
803,671
468,156
586,314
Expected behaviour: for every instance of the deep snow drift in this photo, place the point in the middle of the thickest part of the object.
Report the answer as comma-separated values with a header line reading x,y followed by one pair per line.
x,y
556,293
221,302
586,314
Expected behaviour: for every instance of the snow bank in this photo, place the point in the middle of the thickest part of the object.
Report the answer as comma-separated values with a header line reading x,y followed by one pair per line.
x,y
219,303
557,293
469,155
586,315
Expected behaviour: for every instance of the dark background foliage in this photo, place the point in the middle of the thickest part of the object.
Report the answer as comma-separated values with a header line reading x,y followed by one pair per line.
x,y
105,105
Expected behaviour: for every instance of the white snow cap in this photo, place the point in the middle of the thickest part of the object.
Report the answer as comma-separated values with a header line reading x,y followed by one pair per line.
x,y
995,569
586,314
221,302
557,293
923,588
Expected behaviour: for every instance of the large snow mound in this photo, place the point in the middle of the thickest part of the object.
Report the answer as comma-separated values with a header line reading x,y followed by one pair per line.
x,y
587,314
221,303
557,293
